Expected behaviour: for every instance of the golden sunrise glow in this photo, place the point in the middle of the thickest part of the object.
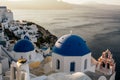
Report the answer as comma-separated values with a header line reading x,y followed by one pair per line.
x,y
50,4
115,2
69,1
77,1
18,0
72,1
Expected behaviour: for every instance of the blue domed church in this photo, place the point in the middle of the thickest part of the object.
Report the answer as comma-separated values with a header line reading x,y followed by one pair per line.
x,y
71,54
24,48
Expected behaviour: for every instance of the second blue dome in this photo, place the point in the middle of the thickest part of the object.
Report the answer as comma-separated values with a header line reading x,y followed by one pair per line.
x,y
23,45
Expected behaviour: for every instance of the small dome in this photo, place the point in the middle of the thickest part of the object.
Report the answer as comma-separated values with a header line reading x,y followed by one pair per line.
x,y
71,45
23,45
26,37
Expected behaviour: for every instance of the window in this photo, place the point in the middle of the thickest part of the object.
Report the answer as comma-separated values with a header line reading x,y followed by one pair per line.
x,y
85,64
29,57
58,64
72,67
108,66
103,64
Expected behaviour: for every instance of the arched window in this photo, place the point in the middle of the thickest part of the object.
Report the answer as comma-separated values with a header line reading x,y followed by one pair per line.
x,y
72,67
85,64
103,64
106,55
58,64
29,57
108,66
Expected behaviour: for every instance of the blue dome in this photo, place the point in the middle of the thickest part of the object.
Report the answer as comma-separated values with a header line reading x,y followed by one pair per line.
x,y
23,45
71,45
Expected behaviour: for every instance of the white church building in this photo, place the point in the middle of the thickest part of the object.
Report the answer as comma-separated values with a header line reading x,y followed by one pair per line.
x,y
24,48
71,54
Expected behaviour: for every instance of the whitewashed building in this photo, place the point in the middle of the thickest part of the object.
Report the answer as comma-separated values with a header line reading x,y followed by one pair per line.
x,y
71,54
5,14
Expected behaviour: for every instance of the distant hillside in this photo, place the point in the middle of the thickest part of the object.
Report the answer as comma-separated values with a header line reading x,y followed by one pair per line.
x,y
96,6
38,4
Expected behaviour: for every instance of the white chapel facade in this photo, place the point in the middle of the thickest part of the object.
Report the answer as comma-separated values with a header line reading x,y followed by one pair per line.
x,y
71,54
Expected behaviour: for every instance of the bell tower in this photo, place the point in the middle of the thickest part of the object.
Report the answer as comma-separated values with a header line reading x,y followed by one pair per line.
x,y
106,63
20,70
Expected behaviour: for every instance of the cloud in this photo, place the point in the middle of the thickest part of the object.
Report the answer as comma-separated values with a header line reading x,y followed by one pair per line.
x,y
115,2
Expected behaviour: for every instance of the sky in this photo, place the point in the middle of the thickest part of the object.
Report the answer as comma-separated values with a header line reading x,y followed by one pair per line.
x,y
52,3
114,2
76,1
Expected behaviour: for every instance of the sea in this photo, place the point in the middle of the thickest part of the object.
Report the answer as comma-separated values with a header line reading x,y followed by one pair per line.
x,y
99,27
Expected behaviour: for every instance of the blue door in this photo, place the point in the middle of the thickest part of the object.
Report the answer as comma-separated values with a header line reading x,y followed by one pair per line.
x,y
72,67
